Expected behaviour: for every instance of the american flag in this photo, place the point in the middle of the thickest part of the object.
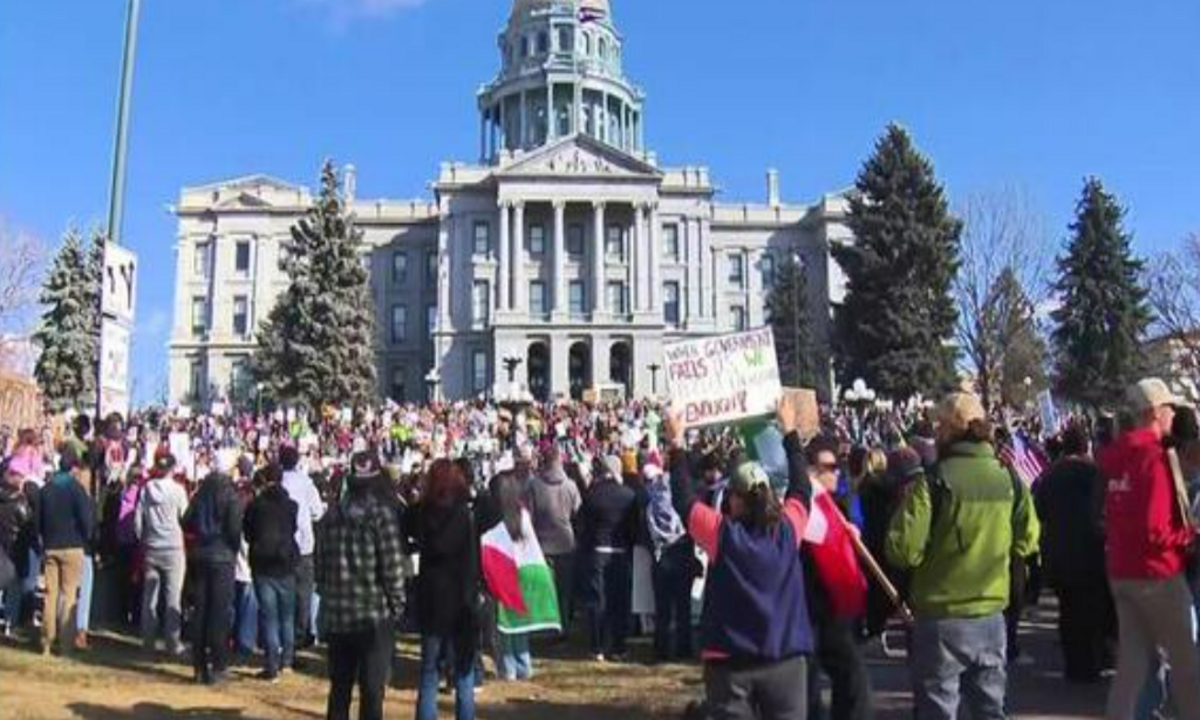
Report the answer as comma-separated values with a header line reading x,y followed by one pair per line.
x,y
1023,458
591,15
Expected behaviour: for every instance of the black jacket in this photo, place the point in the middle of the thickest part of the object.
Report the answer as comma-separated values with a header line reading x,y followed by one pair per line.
x,y
1069,500
610,518
15,516
448,580
270,529
65,518
213,522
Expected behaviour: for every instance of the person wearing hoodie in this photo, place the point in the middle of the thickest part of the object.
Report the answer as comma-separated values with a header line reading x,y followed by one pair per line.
x,y
65,523
158,524
270,529
609,526
214,522
554,502
674,571
359,576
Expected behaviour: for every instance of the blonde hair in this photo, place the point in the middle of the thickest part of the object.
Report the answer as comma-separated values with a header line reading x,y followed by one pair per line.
x,y
876,463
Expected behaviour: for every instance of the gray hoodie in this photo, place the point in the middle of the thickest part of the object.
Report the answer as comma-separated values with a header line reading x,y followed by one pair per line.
x,y
159,515
554,501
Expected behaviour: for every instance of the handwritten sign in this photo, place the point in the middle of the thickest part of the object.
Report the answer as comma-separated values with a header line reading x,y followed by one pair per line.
x,y
20,403
724,379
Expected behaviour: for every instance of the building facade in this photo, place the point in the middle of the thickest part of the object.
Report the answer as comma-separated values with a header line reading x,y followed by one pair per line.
x,y
563,260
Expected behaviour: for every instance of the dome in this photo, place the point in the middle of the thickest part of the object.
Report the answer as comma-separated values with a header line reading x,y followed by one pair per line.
x,y
521,7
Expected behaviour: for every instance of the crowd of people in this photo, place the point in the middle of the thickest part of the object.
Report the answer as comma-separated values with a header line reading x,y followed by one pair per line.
x,y
238,538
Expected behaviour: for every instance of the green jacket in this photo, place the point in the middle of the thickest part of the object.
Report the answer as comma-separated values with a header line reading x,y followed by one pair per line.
x,y
959,554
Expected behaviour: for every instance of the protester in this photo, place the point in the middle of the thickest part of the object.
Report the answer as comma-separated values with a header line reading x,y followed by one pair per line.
x,y
301,489
448,586
358,574
16,516
64,523
1148,538
675,570
270,530
756,632
957,531
554,503
214,522
609,516
1070,502
515,658
881,496
158,523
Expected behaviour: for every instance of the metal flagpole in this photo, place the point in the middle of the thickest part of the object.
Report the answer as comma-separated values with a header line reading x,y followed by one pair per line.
x,y
116,199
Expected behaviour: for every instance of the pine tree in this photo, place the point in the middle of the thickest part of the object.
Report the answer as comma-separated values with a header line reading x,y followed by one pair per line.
x,y
898,320
317,347
1103,311
787,308
69,333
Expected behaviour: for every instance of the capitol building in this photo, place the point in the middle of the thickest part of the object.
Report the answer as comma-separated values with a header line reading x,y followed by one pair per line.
x,y
560,262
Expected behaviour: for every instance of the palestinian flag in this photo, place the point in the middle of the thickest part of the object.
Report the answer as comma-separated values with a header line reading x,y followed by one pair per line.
x,y
828,541
519,578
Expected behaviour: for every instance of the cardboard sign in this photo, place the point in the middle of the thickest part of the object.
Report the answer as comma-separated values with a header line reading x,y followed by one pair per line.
x,y
808,410
724,379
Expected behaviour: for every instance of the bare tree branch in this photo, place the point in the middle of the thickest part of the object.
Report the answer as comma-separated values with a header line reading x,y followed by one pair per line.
x,y
1002,232
21,260
1174,280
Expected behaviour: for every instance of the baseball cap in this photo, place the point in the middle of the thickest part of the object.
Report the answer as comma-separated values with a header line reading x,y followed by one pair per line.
x,y
748,477
1151,393
958,410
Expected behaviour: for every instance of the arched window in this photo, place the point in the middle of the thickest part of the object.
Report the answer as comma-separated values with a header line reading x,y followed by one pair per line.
x,y
587,44
525,49
543,42
603,49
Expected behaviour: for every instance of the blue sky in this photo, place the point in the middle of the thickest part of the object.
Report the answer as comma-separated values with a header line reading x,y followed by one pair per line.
x,y
1023,93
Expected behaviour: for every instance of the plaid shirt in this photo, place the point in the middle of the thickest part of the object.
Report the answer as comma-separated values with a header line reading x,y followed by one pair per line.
x,y
358,566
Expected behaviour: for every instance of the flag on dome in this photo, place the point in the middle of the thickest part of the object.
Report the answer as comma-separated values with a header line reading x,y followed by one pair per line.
x,y
519,578
591,14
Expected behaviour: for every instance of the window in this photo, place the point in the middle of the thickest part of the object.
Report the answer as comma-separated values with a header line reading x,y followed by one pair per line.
x,y
767,267
537,240
614,243
587,44
196,379
241,316
575,240
242,258
671,303
616,298
525,48
670,246
483,238
537,299
566,39
543,43
737,270
479,371
200,260
603,49
431,269
399,324
199,315
399,267
739,318
399,386
577,297
431,319
239,380
480,302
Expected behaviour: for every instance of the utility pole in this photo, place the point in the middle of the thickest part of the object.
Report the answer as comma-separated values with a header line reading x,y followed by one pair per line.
x,y
116,197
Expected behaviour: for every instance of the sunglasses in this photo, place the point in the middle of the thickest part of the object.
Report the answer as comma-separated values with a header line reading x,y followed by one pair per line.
x,y
827,467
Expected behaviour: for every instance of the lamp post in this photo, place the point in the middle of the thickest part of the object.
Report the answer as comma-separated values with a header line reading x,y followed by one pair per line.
x,y
859,397
433,380
654,368
259,389
796,321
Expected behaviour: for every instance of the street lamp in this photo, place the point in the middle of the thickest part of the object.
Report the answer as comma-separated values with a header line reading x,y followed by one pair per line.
x,y
511,362
259,388
654,368
859,397
433,380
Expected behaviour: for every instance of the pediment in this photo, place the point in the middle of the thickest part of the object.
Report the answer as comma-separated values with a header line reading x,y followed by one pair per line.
x,y
580,155
243,200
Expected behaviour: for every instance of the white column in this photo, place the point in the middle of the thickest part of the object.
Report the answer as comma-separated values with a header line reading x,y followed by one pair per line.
x,y
655,261
707,291
551,127
577,109
599,286
520,285
501,129
503,259
631,259
560,260
445,242
523,131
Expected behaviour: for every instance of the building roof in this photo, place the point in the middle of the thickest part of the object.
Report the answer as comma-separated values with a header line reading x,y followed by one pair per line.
x,y
523,6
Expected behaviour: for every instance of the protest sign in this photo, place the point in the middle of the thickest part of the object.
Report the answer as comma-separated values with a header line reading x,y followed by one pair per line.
x,y
20,402
807,410
724,379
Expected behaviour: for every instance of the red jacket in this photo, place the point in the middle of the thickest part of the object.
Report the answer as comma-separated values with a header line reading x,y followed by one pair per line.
x,y
1146,537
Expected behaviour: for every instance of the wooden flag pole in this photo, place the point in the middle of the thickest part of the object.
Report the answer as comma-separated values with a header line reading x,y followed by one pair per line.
x,y
875,568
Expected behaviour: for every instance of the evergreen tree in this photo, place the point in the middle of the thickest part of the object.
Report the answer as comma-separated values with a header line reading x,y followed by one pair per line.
x,y
69,334
1103,309
317,347
787,307
898,320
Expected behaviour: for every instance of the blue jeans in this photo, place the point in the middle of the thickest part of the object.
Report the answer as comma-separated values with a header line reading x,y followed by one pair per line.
x,y
516,662
959,659
433,650
83,616
245,617
277,614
